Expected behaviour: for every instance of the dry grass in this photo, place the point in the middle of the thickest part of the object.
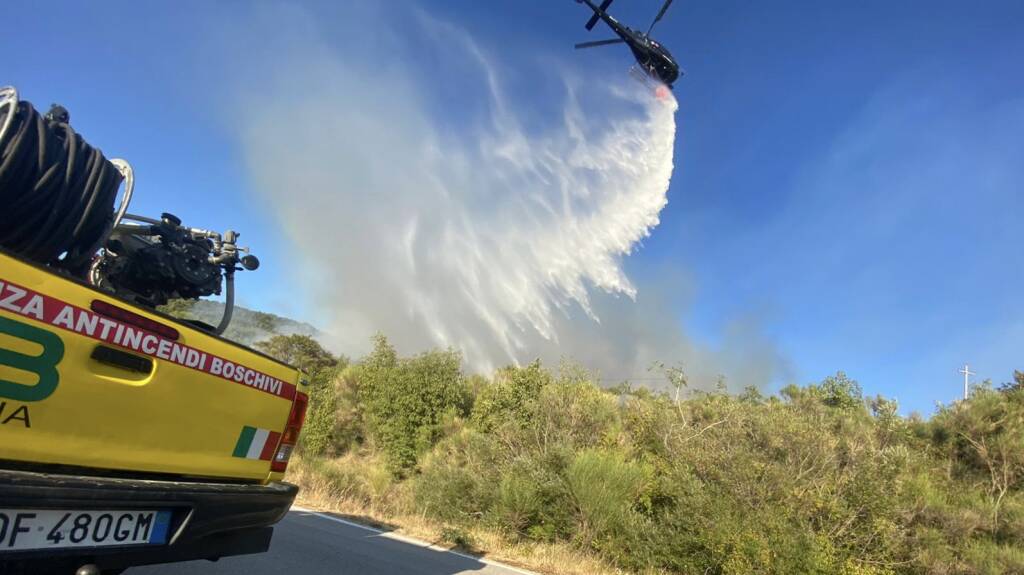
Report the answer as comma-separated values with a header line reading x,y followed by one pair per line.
x,y
357,487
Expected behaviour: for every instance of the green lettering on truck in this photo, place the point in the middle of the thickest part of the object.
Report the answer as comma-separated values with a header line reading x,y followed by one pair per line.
x,y
43,365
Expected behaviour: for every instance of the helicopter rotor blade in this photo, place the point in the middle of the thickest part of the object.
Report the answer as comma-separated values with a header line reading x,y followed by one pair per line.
x,y
599,43
661,14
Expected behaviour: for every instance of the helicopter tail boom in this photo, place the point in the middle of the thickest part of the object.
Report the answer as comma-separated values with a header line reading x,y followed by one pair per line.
x,y
597,13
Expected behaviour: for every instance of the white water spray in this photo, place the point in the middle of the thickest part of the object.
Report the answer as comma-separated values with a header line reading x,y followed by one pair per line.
x,y
493,241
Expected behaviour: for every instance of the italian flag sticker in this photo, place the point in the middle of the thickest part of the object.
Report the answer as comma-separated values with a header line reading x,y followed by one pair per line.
x,y
255,443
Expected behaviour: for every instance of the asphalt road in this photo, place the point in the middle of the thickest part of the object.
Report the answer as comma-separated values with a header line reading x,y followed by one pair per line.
x,y
307,543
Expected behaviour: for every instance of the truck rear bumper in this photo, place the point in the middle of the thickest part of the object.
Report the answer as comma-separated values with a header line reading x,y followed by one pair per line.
x,y
209,520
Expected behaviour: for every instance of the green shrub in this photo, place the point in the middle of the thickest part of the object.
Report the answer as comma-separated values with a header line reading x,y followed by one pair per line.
x,y
815,480
574,414
299,350
512,397
458,537
518,503
360,479
406,400
349,416
456,482
984,557
606,489
318,432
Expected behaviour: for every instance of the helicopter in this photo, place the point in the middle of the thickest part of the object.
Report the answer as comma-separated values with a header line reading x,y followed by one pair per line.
x,y
652,58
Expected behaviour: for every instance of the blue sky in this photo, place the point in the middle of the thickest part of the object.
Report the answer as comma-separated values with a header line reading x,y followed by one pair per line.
x,y
848,176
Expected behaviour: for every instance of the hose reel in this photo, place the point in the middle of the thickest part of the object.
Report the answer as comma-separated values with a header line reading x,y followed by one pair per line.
x,y
57,209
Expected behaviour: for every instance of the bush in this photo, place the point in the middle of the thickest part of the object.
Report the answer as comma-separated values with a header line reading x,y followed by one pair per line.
x,y
518,503
990,558
406,400
349,418
302,351
576,415
607,489
318,432
815,480
457,478
458,537
511,398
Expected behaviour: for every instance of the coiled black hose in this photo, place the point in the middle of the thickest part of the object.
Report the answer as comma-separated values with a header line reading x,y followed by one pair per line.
x,y
56,192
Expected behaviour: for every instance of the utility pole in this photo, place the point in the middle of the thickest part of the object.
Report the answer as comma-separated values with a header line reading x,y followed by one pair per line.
x,y
967,382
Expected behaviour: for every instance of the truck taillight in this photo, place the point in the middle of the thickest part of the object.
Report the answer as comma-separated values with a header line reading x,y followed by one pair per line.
x,y
291,432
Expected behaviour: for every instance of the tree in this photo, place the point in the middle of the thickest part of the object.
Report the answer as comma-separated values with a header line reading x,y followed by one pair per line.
x,y
512,396
318,432
302,351
265,321
407,400
675,375
984,437
1017,385
842,392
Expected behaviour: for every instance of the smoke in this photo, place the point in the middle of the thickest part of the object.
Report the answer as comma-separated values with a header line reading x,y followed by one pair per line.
x,y
463,229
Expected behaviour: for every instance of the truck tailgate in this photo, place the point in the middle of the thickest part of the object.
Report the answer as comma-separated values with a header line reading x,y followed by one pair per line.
x,y
84,383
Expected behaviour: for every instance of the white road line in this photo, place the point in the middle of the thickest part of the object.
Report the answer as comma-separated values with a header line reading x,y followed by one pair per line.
x,y
409,540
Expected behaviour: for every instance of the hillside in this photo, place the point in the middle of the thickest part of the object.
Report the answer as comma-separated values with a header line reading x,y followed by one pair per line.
x,y
247,327
546,469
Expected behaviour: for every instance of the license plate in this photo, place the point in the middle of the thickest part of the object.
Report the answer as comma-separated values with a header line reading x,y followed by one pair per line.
x,y
26,529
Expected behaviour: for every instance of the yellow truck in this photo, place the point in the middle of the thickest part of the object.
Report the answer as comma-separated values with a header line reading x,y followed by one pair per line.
x,y
127,437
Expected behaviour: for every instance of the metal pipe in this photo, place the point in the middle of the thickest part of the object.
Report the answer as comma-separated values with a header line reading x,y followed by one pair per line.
x,y
229,303
143,219
129,186
9,97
